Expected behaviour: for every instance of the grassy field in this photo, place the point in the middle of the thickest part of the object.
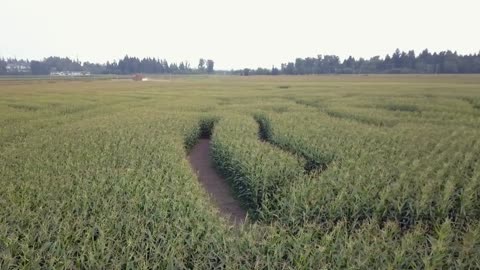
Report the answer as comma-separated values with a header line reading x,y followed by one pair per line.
x,y
357,172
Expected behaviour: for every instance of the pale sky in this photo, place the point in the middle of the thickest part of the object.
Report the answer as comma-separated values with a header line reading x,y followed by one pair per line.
x,y
235,34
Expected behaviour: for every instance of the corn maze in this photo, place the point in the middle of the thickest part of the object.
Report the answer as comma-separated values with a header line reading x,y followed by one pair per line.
x,y
349,172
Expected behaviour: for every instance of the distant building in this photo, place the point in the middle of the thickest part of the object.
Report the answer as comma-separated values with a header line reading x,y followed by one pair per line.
x,y
18,67
70,73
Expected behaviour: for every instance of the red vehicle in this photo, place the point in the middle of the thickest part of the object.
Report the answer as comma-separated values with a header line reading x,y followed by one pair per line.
x,y
138,77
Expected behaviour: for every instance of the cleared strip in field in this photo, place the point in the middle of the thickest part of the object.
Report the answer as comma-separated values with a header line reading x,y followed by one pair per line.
x,y
257,171
312,164
335,112
216,186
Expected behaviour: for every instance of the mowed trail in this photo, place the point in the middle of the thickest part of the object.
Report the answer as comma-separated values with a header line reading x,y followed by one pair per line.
x,y
216,186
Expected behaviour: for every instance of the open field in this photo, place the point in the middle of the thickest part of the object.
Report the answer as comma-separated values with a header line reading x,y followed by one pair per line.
x,y
357,172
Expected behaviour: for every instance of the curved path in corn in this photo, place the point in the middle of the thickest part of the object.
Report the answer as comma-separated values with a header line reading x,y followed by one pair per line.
x,y
217,187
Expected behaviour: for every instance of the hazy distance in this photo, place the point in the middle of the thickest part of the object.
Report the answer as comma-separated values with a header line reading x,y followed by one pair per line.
x,y
235,34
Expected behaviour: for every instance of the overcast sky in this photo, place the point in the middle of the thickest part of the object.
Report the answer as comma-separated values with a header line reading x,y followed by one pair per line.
x,y
235,34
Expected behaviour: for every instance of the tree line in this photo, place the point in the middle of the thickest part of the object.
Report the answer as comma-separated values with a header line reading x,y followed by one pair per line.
x,y
131,65
127,65
399,62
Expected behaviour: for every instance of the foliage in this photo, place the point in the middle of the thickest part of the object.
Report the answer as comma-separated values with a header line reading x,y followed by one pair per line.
x,y
398,62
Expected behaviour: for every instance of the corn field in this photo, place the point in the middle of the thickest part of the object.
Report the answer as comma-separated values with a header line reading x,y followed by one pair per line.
x,y
336,172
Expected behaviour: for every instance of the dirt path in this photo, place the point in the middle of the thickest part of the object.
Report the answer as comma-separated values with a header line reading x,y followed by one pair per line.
x,y
215,185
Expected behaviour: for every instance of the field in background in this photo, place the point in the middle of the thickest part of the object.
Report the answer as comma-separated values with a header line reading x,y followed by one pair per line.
x,y
335,172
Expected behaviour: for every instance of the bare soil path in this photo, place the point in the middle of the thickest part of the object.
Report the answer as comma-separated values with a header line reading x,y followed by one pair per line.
x,y
216,186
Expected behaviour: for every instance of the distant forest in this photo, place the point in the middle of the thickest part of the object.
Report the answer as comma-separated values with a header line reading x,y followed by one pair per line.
x,y
398,63
127,65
